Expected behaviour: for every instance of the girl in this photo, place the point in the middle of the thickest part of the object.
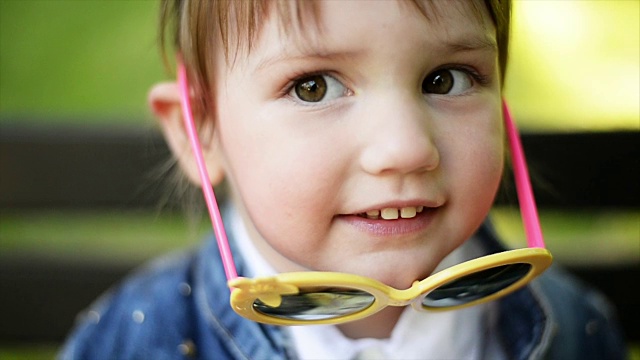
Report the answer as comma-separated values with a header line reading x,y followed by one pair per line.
x,y
363,144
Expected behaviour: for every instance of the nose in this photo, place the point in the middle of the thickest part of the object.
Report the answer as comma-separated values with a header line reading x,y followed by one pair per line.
x,y
399,137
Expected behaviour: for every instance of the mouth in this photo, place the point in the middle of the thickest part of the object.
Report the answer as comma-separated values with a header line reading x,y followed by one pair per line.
x,y
393,221
407,212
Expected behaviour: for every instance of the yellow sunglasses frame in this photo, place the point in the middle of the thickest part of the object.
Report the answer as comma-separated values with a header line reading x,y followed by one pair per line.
x,y
269,290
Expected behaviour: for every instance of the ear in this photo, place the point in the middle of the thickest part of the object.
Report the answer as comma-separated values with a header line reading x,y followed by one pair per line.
x,y
164,101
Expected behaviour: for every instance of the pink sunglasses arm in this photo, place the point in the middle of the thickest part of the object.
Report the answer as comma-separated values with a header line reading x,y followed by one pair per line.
x,y
210,198
527,202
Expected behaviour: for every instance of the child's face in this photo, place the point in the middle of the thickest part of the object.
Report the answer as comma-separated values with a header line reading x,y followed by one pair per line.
x,y
373,109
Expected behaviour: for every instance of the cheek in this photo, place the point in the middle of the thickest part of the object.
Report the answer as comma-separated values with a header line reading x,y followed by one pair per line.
x,y
481,172
285,180
473,164
488,171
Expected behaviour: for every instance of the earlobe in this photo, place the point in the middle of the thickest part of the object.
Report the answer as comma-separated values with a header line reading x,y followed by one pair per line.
x,y
164,102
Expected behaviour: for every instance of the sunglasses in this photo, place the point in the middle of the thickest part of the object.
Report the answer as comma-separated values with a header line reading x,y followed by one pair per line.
x,y
301,298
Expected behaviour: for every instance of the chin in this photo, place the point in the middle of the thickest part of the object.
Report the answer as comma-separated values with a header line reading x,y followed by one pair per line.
x,y
397,275
408,268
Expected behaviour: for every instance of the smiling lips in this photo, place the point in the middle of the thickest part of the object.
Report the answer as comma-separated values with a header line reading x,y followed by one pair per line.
x,y
393,213
393,221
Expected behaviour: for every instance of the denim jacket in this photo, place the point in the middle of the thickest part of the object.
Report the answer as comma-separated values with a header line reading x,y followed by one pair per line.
x,y
178,307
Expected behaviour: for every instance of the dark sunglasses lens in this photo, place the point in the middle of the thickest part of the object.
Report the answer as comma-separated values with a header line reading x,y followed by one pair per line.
x,y
318,304
476,286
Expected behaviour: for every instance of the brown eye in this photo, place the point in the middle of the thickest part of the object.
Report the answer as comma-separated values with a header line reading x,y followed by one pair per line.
x,y
311,89
318,89
446,81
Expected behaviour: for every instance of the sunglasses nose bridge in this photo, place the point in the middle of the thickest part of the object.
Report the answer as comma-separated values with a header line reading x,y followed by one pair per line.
x,y
404,297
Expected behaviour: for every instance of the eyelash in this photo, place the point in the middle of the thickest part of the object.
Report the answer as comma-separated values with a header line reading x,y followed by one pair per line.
x,y
479,78
301,75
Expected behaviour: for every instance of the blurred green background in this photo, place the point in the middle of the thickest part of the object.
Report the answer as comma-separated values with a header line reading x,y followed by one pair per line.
x,y
574,66
75,61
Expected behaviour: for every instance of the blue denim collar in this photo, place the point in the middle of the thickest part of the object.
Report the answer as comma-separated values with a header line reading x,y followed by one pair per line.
x,y
245,339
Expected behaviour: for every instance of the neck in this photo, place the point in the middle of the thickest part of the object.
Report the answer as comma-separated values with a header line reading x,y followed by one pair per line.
x,y
377,326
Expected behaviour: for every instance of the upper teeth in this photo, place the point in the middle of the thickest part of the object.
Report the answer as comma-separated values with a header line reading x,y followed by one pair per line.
x,y
393,213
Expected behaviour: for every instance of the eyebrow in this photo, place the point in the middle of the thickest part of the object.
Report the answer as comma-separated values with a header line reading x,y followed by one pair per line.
x,y
461,44
305,55
472,43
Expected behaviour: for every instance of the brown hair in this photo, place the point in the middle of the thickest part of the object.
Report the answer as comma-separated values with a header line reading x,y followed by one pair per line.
x,y
198,28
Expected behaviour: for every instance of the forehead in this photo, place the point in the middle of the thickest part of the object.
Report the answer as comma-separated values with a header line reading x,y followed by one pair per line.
x,y
312,24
